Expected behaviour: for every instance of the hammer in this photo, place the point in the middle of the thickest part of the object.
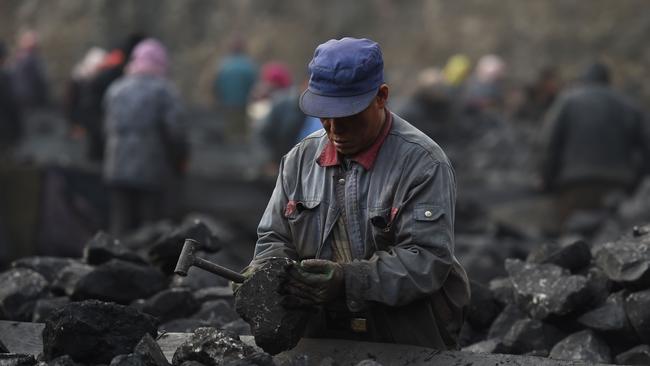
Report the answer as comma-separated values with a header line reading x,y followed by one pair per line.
x,y
188,259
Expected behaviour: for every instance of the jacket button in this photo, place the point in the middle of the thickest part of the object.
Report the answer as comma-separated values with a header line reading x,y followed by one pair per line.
x,y
342,181
428,213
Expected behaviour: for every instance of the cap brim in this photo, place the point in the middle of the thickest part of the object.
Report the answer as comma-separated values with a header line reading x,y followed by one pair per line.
x,y
322,106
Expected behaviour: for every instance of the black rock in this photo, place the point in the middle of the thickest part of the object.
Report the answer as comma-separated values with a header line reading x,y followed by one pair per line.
x,y
150,351
494,345
130,359
259,303
217,313
3,348
504,322
15,359
121,282
94,332
531,335
192,363
502,290
483,308
45,307
546,289
627,261
63,361
20,288
582,346
171,304
639,355
65,282
637,307
609,317
102,247
599,286
239,327
468,335
213,347
164,253
214,293
184,325
48,267
572,255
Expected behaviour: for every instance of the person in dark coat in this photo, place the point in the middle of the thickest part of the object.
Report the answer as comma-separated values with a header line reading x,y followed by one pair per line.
x,y
593,143
28,73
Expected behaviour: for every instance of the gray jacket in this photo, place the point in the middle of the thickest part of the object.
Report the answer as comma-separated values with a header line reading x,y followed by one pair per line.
x,y
400,220
143,130
593,133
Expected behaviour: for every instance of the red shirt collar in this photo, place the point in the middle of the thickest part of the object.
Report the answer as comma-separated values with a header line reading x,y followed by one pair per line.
x,y
329,156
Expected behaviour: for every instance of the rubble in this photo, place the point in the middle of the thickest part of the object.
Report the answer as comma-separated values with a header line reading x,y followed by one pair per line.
x,y
584,345
13,359
609,317
637,307
212,347
150,352
626,261
94,332
572,256
102,247
259,303
639,355
62,361
170,304
531,336
119,281
20,288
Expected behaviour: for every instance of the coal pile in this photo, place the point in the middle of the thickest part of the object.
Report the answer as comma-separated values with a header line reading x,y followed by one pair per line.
x,y
569,301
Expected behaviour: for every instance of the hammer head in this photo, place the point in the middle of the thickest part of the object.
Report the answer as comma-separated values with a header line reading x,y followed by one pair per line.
x,y
186,259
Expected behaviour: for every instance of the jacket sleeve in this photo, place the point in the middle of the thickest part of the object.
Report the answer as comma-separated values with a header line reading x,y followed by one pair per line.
x,y
422,258
273,232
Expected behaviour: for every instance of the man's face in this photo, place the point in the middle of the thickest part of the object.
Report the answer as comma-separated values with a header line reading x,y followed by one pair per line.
x,y
353,134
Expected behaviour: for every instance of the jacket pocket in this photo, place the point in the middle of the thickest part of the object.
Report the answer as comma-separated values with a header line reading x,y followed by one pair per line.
x,y
304,219
427,228
381,230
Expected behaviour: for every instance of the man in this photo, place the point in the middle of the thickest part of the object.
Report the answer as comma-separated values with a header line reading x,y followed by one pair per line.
x,y
367,208
593,143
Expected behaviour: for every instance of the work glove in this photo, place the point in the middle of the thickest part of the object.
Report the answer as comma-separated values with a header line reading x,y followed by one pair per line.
x,y
313,282
247,272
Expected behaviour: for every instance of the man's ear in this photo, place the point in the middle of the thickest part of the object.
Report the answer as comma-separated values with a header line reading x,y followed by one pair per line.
x,y
382,96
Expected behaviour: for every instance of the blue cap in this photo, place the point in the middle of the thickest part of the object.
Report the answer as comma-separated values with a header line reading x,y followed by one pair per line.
x,y
345,77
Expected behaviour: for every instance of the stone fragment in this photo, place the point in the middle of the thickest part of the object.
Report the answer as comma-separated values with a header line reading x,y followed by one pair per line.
x,y
483,308
3,348
504,322
45,307
150,351
217,313
15,359
573,255
502,290
164,253
213,347
599,286
173,303
637,307
130,359
103,247
531,335
63,361
626,260
48,267
214,293
494,345
119,281
259,303
609,317
94,332
20,288
239,327
183,325
639,355
584,345
546,289
65,282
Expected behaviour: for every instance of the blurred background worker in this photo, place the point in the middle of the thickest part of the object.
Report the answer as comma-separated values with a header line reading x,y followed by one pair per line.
x,y
10,111
145,139
593,144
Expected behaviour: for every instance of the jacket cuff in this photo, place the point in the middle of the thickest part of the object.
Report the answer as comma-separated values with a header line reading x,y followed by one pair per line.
x,y
356,285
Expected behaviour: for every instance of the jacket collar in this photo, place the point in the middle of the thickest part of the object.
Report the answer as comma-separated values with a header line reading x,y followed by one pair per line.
x,y
329,156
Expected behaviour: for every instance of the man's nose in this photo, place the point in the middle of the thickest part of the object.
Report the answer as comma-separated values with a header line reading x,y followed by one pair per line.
x,y
337,126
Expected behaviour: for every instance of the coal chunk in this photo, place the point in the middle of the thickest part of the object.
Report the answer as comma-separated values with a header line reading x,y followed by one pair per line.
x,y
573,255
637,307
171,304
639,355
3,348
130,359
626,260
121,282
164,253
483,308
546,289
150,352
183,325
63,361
239,327
259,303
531,335
504,322
502,290
582,346
67,279
213,347
48,267
45,307
493,345
102,247
15,359
20,288
217,313
94,332
609,317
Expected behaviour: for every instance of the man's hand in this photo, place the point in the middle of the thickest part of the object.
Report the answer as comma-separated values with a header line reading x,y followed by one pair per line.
x,y
247,272
313,282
